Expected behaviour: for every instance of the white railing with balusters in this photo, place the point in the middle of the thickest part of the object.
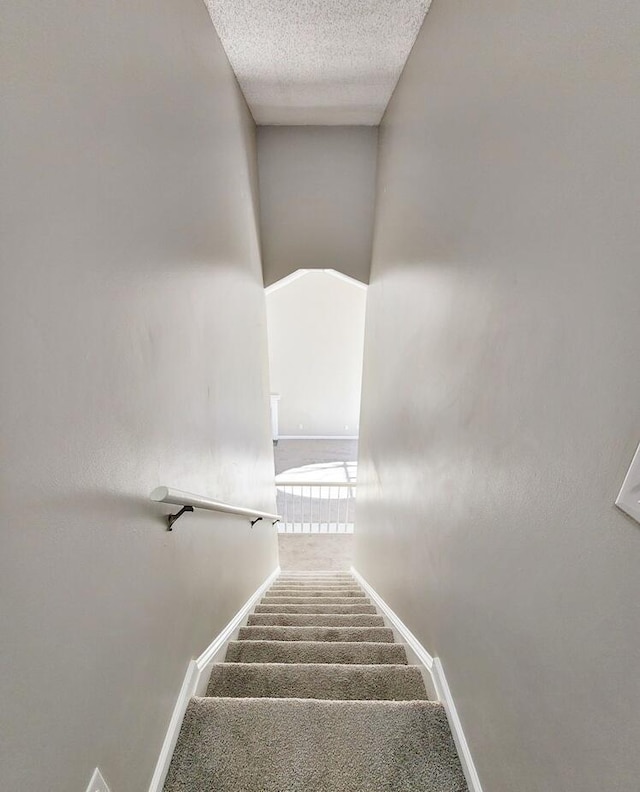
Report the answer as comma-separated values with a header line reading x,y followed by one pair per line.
x,y
316,506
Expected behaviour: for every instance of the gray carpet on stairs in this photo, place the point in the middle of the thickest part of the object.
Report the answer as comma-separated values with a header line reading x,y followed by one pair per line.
x,y
323,576
306,591
334,583
289,608
313,633
314,619
315,696
324,681
314,652
305,745
315,585
320,593
345,581
288,599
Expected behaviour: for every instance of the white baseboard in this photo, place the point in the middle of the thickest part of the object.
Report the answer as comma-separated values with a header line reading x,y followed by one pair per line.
x,y
444,696
422,656
195,680
439,681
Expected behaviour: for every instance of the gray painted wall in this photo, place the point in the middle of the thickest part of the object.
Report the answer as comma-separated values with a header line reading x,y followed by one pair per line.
x,y
317,188
133,353
501,399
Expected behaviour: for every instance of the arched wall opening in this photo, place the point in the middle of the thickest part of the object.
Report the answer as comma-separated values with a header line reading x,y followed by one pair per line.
x,y
316,321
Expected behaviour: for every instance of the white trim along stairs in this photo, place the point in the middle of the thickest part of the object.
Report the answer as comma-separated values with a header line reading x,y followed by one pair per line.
x,y
439,685
303,619
195,681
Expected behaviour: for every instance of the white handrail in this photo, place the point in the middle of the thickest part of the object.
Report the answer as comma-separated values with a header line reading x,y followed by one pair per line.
x,y
189,502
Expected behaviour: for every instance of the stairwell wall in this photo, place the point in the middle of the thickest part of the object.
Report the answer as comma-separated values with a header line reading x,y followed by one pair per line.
x,y
317,189
501,390
133,353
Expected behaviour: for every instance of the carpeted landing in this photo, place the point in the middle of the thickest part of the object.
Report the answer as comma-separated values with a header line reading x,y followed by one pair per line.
x,y
315,696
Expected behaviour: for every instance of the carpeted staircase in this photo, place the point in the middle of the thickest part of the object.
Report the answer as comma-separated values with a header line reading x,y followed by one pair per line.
x,y
315,696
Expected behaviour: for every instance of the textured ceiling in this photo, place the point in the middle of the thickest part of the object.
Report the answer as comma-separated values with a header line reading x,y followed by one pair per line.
x,y
317,61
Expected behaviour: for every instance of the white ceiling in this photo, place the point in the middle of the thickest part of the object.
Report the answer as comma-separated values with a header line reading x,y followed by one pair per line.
x,y
317,61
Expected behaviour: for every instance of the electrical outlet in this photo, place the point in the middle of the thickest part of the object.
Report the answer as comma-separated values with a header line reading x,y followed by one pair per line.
x,y
629,496
97,783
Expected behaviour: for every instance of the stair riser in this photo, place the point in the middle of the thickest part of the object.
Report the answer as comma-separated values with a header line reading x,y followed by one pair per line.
x,y
343,583
318,583
314,681
292,608
322,586
314,652
321,593
315,582
327,578
267,600
315,593
315,576
344,634
314,620
329,581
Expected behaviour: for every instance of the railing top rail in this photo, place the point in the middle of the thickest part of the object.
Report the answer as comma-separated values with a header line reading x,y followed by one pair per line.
x,y
280,483
189,502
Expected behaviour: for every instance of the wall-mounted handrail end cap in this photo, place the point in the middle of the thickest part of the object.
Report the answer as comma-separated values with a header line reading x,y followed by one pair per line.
x,y
171,518
253,522
159,494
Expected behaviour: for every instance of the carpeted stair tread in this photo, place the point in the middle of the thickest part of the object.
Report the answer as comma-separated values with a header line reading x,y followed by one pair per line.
x,y
301,592
327,573
315,608
324,589
295,745
311,591
317,579
304,600
350,634
315,652
311,680
314,592
315,620
315,582
315,576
